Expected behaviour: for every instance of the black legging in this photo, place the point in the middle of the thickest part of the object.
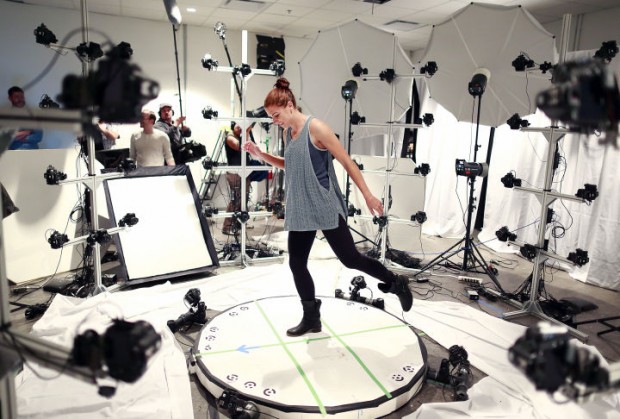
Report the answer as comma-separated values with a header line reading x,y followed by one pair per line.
x,y
341,242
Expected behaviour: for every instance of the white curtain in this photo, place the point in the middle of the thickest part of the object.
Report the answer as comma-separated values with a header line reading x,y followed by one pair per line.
x,y
594,228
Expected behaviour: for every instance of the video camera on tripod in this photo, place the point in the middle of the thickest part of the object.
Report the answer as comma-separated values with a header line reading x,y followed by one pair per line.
x,y
197,312
359,283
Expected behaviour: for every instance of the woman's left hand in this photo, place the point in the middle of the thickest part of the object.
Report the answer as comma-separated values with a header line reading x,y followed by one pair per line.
x,y
374,205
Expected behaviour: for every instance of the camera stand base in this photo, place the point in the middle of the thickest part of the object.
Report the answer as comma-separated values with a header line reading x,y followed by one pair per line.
x,y
364,361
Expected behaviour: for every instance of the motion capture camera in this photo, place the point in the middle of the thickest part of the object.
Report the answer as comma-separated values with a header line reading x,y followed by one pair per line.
x,y
278,210
419,217
209,164
208,62
124,349
503,234
244,69
546,355
127,165
48,103
430,68
358,283
387,75
34,311
44,36
380,221
210,211
128,220
584,96
459,377
89,51
515,122
209,113
278,67
100,236
427,119
190,151
356,119
578,257
352,211
521,63
237,407
588,192
471,169
241,216
510,181
57,239
197,312
358,70
53,176
528,251
607,51
423,169
117,90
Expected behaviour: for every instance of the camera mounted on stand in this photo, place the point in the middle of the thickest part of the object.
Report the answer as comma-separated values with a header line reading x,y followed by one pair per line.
x,y
197,312
358,283
459,377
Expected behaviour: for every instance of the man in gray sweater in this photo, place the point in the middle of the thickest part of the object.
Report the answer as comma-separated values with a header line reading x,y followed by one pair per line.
x,y
150,147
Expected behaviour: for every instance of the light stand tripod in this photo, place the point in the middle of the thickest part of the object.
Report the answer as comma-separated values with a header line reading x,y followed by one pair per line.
x,y
472,258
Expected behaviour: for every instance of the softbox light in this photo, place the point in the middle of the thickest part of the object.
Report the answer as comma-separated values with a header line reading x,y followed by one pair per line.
x,y
172,238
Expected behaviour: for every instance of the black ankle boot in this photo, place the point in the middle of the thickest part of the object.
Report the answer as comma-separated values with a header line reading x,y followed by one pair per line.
x,y
400,287
310,322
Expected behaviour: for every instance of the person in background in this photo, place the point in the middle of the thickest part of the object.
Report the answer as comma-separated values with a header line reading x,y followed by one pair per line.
x,y
150,147
314,202
108,135
24,139
175,130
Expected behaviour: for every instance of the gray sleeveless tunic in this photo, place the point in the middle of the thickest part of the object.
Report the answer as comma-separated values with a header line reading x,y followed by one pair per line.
x,y
309,206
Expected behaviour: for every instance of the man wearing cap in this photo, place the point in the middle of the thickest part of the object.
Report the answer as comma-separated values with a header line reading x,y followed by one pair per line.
x,y
174,129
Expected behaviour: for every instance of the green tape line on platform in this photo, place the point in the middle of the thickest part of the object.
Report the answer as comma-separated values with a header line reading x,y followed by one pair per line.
x,y
358,359
305,340
297,365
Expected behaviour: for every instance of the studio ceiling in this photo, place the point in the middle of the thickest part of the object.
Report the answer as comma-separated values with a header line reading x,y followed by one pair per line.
x,y
304,18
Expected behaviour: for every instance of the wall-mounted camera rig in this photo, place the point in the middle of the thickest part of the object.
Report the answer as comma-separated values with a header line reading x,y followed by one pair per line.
x,y
538,253
348,93
212,166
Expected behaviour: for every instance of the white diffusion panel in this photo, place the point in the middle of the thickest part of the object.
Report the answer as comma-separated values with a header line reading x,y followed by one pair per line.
x,y
171,238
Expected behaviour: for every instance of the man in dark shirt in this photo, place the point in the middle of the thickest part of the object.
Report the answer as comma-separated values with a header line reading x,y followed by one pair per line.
x,y
175,130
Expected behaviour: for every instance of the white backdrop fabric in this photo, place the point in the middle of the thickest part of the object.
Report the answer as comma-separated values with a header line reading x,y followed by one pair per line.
x,y
594,227
163,392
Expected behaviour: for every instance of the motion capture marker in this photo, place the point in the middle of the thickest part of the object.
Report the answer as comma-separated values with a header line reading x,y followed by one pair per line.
x,y
364,362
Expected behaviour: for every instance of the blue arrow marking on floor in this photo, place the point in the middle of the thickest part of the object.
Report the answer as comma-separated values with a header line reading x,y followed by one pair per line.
x,y
246,349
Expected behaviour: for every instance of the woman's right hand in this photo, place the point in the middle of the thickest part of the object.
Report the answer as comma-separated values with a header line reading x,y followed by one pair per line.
x,y
253,149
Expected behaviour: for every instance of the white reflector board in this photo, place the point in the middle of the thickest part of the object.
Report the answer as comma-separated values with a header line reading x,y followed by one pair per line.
x,y
172,238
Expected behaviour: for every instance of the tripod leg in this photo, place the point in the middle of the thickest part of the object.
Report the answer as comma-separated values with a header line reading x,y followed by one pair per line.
x,y
441,257
485,266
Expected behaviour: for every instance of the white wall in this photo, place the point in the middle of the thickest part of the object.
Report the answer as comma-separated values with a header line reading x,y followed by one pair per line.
x,y
153,46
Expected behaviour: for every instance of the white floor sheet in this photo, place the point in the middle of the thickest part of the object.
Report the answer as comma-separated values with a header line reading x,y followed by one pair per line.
x,y
164,390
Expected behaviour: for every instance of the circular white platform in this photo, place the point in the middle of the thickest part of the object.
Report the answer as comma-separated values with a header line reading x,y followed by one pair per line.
x,y
365,362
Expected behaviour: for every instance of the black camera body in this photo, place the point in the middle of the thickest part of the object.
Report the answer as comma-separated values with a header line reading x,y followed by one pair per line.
x,y
189,152
584,96
53,176
237,407
117,90
197,312
57,240
125,348
358,284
